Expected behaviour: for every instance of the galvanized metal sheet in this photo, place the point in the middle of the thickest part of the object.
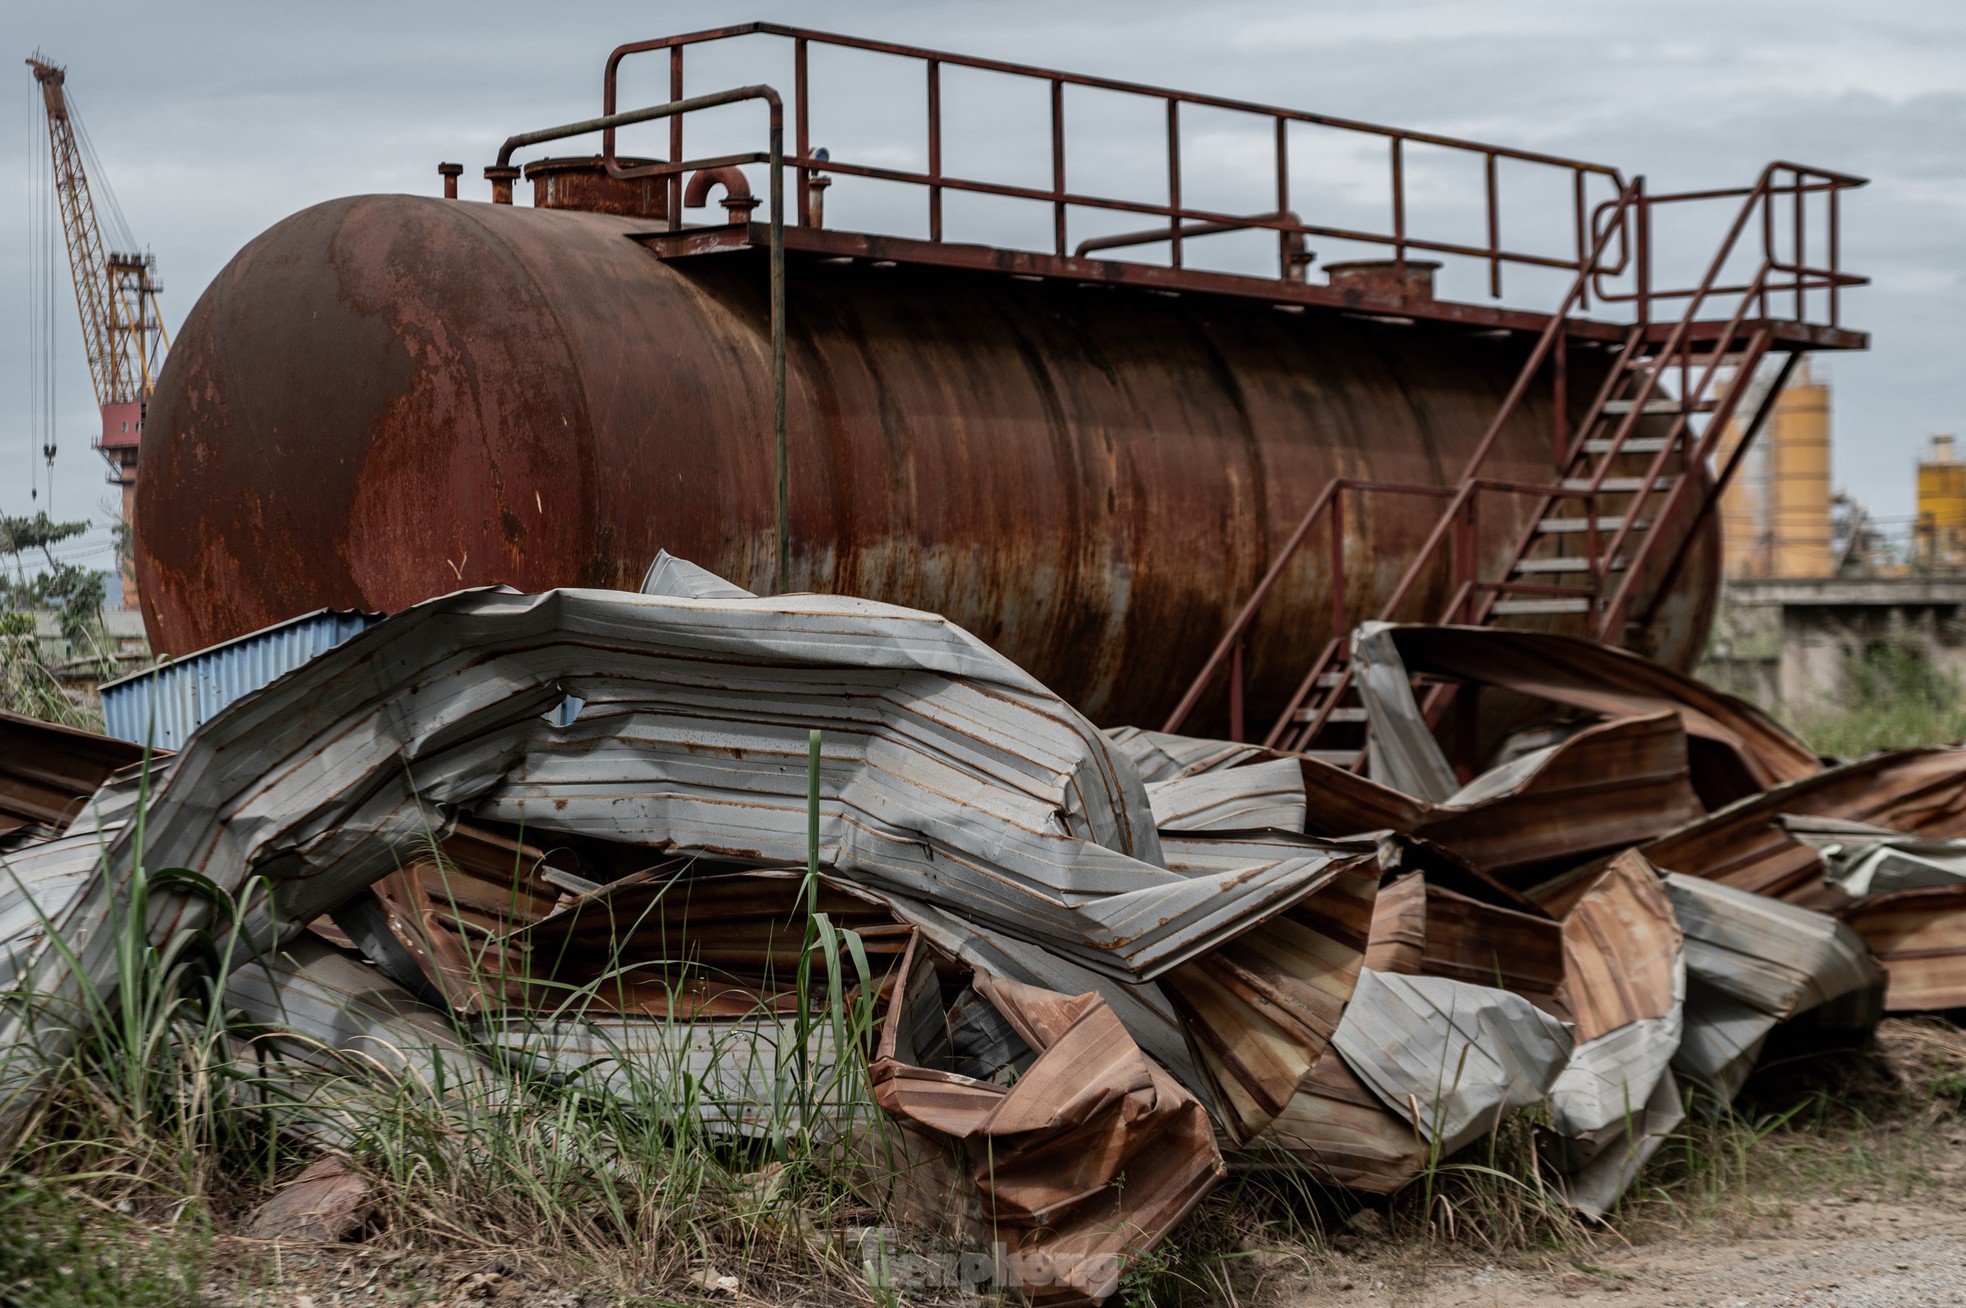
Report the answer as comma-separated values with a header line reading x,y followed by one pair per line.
x,y
1261,795
164,705
1451,1058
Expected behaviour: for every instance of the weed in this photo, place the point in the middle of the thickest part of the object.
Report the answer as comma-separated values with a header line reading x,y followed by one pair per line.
x,y
1892,696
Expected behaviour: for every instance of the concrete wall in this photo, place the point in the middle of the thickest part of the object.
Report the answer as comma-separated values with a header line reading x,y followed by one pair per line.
x,y
1785,643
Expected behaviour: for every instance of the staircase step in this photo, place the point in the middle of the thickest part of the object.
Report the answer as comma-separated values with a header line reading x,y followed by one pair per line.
x,y
1308,714
1636,445
1327,680
1544,605
1667,406
1561,526
1617,485
1525,566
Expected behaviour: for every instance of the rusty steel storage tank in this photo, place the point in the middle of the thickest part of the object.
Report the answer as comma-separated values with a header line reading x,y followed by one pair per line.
x,y
388,397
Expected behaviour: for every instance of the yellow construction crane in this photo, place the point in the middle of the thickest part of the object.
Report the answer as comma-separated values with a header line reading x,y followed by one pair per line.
x,y
115,291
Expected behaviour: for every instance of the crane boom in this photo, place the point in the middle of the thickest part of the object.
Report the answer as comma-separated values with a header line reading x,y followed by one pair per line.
x,y
115,292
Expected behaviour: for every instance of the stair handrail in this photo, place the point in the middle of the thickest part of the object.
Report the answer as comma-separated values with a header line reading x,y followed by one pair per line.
x,y
1546,342
1754,292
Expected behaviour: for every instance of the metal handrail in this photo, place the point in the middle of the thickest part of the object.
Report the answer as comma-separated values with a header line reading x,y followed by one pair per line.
x,y
1806,180
1061,198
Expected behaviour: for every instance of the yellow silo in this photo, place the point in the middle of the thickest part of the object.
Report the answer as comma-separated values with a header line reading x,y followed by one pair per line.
x,y
1941,531
1743,521
1798,503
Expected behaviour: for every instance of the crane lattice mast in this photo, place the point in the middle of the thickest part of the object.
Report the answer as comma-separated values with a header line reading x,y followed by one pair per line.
x,y
115,292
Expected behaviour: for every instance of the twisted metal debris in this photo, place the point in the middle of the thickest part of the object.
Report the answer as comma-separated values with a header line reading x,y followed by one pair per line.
x,y
1093,963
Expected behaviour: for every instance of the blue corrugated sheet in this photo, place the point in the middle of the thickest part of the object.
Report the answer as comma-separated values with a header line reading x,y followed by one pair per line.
x,y
167,703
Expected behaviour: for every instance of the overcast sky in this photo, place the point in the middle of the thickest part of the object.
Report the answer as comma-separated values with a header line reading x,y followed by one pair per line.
x,y
215,120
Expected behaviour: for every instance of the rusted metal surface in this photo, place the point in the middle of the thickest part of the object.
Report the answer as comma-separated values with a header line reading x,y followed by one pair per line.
x,y
1919,937
1609,786
583,183
1919,791
48,772
1092,1155
1735,748
386,397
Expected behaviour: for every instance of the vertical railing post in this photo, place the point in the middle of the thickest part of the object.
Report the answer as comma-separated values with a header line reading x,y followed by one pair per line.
x,y
1768,255
1801,247
674,202
1599,575
1338,624
1399,209
1835,263
1494,232
1174,181
1058,167
1462,574
783,564
1579,198
1560,402
935,149
802,141
1235,693
1642,252
1283,195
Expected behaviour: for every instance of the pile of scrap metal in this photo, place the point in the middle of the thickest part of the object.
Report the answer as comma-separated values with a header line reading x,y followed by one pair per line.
x,y
569,832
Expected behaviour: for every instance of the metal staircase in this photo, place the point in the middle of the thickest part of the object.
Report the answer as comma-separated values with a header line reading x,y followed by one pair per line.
x,y
1633,480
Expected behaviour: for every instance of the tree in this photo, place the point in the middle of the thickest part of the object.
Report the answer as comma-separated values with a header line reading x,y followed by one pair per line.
x,y
75,594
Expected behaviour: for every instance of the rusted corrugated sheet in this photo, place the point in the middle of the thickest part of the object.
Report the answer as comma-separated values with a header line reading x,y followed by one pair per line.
x,y
1609,786
1919,937
1738,749
1083,1162
48,771
1918,791
1625,986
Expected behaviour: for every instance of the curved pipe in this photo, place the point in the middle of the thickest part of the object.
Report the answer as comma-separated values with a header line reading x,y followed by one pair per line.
x,y
738,200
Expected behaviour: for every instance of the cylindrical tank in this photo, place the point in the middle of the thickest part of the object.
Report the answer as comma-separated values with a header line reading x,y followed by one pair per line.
x,y
388,397
1799,480
1941,529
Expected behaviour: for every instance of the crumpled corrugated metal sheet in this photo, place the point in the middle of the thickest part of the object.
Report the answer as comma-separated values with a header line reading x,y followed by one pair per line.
x,y
1742,749
1625,986
1918,791
1609,786
1401,751
1919,937
1163,756
1087,1157
1452,1058
1254,797
47,772
1198,914
1864,859
1752,962
948,773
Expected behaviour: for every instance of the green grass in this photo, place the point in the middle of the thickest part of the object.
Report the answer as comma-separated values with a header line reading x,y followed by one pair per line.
x,y
1892,696
60,1251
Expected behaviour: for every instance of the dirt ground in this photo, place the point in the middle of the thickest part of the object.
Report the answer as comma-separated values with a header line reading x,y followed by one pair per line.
x,y
1855,1252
